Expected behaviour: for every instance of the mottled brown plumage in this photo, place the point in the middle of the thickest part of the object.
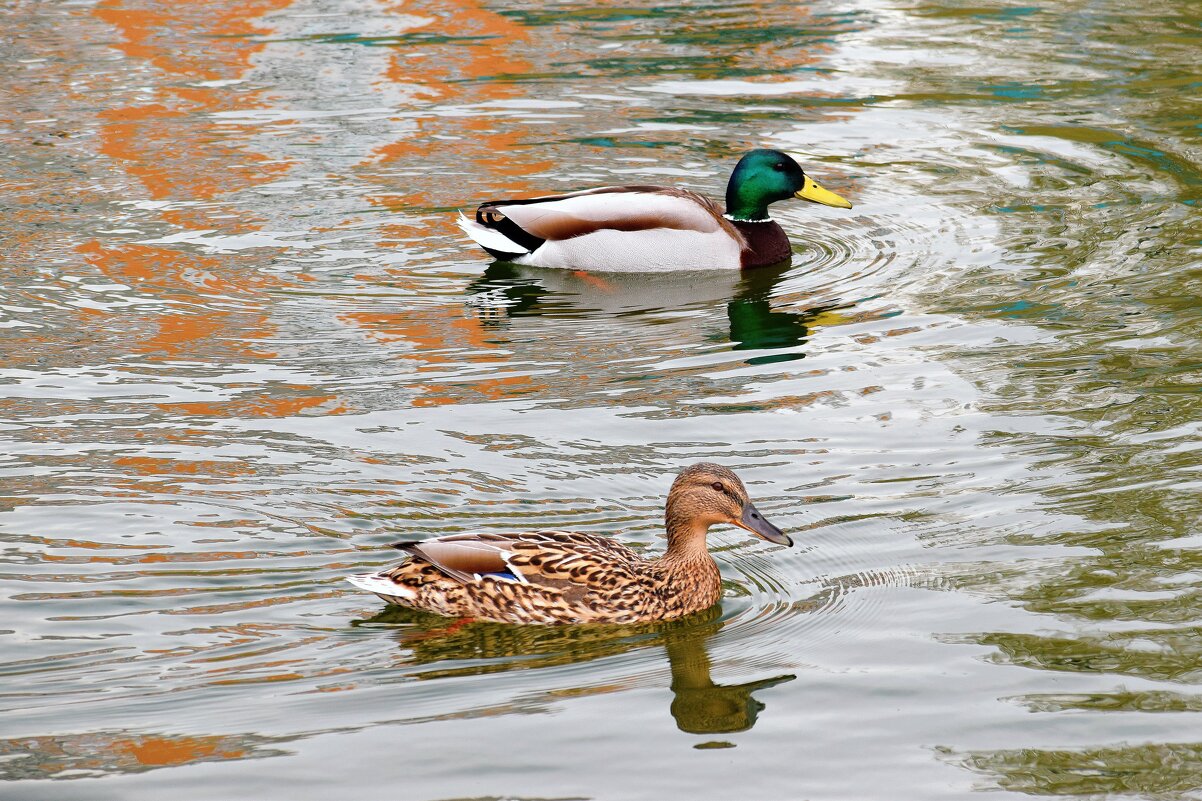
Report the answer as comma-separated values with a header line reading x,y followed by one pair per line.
x,y
554,577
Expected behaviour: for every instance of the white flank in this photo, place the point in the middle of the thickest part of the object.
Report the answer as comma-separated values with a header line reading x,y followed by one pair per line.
x,y
380,586
653,250
487,237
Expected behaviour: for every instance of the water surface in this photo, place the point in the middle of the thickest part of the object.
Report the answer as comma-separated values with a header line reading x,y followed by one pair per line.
x,y
245,348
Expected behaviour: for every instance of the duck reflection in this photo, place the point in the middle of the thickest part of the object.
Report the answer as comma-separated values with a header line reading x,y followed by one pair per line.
x,y
699,706
702,707
756,325
507,291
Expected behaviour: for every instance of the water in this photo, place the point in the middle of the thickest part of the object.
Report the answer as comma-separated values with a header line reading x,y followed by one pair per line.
x,y
245,348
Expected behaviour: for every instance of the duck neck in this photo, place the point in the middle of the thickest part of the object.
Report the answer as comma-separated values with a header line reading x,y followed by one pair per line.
x,y
686,543
691,578
743,206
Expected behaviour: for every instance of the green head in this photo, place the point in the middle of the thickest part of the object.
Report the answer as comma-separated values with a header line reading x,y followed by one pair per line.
x,y
765,176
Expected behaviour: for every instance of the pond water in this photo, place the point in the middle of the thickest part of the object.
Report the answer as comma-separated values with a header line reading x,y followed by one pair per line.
x,y
245,348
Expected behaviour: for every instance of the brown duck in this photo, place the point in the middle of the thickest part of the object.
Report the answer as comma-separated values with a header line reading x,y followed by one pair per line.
x,y
555,577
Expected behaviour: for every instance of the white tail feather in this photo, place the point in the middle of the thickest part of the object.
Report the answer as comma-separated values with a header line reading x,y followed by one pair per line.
x,y
487,237
381,586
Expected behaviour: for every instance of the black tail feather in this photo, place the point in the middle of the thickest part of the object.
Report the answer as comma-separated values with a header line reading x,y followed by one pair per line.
x,y
490,217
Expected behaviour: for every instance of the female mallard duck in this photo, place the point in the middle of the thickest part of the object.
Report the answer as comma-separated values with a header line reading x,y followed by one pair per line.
x,y
551,577
652,228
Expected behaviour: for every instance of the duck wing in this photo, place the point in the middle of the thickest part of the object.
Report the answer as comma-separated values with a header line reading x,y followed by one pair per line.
x,y
463,557
553,559
615,208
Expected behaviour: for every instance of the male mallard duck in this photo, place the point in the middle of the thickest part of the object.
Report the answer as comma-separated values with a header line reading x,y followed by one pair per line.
x,y
652,228
553,577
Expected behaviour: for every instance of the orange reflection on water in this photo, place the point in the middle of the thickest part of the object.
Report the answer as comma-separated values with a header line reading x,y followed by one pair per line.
x,y
482,144
483,46
442,338
158,751
154,31
264,404
170,145
95,753
160,466
189,325
175,156
165,144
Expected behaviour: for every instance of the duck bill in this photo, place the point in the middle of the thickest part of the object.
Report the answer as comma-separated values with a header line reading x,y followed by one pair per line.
x,y
814,193
754,522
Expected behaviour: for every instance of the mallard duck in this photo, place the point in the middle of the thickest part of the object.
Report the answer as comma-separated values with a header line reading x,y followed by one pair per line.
x,y
652,228
553,577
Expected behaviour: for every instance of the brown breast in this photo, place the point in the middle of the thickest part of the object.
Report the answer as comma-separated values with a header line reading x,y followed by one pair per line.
x,y
767,242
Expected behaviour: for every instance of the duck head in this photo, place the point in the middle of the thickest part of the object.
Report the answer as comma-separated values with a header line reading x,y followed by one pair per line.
x,y
765,176
707,494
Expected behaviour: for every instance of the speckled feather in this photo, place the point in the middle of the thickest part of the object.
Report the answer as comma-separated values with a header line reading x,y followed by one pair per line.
x,y
569,578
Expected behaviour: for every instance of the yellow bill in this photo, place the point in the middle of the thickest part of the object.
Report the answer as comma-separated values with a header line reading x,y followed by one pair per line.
x,y
816,194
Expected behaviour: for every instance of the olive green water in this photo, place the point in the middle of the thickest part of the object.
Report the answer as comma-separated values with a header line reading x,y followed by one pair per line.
x,y
245,348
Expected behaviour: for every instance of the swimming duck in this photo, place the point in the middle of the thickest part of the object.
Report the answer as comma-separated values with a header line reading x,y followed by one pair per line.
x,y
555,577
652,228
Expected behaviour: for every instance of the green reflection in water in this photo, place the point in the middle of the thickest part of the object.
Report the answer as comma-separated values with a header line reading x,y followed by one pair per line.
x,y
507,291
1118,701
1157,770
1154,654
469,648
756,325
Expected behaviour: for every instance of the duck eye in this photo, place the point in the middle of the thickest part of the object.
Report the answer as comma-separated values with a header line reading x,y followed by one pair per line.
x,y
718,486
778,166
